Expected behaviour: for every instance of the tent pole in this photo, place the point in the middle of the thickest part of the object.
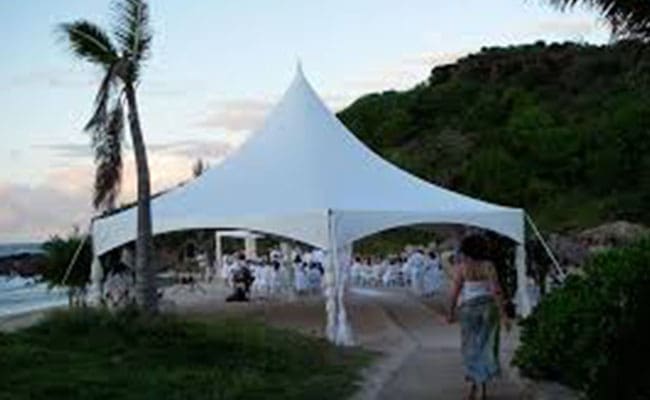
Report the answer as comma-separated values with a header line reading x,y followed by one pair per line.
x,y
250,246
523,298
546,247
218,251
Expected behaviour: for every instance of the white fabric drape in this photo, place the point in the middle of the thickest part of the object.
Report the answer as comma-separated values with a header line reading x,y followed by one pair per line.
x,y
344,330
524,306
96,277
337,274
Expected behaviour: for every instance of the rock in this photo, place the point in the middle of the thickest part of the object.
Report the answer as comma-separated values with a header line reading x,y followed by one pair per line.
x,y
24,264
618,233
568,250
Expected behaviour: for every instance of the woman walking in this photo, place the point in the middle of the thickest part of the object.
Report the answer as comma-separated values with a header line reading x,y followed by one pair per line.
x,y
477,294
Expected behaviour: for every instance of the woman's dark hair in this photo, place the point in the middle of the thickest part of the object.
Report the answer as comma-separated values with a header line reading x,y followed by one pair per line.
x,y
475,247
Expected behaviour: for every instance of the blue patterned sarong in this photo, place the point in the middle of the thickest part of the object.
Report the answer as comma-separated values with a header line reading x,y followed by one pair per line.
x,y
479,322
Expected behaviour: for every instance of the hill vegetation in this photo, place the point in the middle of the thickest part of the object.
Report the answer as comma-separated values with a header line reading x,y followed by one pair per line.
x,y
562,130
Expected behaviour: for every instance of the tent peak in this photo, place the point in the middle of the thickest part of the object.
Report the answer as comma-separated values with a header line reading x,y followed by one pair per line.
x,y
299,72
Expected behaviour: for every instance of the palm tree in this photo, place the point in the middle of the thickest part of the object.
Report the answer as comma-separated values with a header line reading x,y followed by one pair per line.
x,y
120,59
628,18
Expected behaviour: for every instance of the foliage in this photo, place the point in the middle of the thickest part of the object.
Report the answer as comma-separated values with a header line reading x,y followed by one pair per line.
x,y
120,59
59,253
93,355
198,168
560,130
592,333
393,241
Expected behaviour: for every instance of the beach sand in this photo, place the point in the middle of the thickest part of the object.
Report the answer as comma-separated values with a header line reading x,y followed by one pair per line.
x,y
15,322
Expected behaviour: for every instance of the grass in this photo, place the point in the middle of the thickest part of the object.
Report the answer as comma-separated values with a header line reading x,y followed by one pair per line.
x,y
93,355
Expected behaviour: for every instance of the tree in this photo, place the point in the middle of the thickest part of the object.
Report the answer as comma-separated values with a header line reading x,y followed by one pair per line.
x,y
628,18
199,168
68,264
121,58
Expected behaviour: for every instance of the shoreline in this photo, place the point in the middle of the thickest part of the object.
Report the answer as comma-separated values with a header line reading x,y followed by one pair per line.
x,y
25,319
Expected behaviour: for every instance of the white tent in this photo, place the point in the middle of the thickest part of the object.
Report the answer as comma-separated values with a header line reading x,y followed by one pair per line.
x,y
304,176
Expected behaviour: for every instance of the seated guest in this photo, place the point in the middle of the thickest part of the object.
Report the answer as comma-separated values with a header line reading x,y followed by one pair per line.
x,y
242,281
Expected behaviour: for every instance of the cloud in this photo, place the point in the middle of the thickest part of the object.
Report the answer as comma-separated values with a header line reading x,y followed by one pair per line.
x,y
207,149
406,73
569,27
215,150
55,78
67,150
433,58
33,212
36,212
237,115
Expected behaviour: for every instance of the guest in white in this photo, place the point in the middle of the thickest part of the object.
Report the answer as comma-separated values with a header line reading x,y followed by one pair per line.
x,y
300,276
434,277
416,263
356,272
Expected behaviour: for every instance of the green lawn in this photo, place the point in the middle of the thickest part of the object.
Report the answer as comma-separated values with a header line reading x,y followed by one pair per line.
x,y
92,355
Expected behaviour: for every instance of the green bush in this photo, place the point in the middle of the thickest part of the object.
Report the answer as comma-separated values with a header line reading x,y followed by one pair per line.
x,y
59,253
593,334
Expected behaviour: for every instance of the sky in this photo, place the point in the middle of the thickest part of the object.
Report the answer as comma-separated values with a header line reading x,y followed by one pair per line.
x,y
217,67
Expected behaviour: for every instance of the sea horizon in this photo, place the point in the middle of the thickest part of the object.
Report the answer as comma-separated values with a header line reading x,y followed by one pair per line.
x,y
13,248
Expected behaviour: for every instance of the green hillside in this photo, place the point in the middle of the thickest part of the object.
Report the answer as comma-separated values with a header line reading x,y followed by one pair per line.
x,y
562,130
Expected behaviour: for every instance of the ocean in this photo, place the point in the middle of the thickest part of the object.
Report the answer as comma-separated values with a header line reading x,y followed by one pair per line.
x,y
20,295
8,249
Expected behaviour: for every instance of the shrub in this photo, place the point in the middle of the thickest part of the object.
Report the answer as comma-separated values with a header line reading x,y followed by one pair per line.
x,y
59,253
593,333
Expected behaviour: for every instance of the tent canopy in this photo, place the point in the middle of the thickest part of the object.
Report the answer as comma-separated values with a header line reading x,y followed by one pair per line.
x,y
304,176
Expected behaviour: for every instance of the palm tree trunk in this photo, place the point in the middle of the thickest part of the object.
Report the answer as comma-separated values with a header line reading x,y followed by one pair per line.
x,y
146,293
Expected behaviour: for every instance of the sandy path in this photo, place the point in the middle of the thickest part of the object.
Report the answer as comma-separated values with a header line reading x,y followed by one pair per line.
x,y
427,365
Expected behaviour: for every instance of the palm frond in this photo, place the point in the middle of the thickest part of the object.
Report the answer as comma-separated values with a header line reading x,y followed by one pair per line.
x,y
108,158
132,29
90,42
100,108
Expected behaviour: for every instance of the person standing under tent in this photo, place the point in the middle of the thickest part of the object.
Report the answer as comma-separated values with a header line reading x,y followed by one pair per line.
x,y
416,263
225,265
299,277
391,275
275,283
355,272
477,295
258,283
433,278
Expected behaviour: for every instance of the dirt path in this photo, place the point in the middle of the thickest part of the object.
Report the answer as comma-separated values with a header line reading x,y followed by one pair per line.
x,y
426,364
